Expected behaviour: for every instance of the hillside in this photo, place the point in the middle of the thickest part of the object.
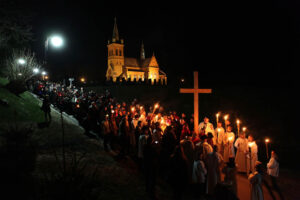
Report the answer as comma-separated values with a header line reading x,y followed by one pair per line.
x,y
91,173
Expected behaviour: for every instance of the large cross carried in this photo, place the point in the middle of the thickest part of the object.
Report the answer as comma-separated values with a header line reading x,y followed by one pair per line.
x,y
196,91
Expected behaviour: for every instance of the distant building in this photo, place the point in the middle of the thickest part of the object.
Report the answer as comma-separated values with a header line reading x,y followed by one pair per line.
x,y
119,66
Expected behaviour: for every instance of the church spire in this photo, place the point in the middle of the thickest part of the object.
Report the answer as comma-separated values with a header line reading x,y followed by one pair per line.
x,y
115,36
142,51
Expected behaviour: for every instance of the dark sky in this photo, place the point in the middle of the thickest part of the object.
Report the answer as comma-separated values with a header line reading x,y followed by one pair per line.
x,y
250,41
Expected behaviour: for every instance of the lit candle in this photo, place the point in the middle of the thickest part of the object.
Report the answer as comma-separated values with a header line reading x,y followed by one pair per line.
x,y
238,126
217,116
225,119
267,140
132,109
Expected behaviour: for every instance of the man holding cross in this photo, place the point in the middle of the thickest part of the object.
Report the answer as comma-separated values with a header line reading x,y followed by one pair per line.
x,y
196,91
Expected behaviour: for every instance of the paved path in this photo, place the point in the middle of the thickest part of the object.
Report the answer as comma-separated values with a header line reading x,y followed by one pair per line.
x,y
244,189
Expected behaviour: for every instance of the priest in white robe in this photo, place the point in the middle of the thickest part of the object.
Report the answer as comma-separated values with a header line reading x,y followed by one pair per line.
x,y
207,126
252,155
218,138
228,141
241,144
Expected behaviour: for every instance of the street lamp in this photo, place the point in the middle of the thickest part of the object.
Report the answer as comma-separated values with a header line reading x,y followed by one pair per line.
x,y
43,74
21,61
55,40
36,70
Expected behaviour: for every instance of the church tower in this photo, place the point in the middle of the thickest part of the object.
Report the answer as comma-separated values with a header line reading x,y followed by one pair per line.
x,y
115,61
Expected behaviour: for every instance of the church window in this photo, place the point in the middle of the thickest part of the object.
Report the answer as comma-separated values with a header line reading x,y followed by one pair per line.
x,y
120,53
116,52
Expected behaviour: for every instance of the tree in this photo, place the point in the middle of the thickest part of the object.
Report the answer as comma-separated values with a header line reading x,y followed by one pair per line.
x,y
16,71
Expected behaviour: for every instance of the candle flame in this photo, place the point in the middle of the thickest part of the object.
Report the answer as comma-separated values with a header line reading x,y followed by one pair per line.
x,y
238,121
226,117
217,115
267,140
156,105
244,129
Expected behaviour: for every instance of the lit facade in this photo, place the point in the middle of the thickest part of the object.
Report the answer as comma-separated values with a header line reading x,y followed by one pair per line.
x,y
119,66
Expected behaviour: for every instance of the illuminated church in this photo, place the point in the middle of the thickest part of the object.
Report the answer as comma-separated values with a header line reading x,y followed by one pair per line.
x,y
121,67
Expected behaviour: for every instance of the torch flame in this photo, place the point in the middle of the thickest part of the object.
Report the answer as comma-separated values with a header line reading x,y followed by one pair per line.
x,y
267,140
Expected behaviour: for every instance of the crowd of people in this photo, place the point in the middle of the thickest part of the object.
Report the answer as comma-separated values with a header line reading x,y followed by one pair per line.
x,y
165,145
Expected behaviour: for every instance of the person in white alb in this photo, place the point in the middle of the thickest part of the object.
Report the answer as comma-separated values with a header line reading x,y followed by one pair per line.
x,y
219,137
252,154
273,172
241,145
208,127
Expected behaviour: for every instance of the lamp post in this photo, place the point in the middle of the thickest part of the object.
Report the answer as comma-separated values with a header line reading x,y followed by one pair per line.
x,y
56,41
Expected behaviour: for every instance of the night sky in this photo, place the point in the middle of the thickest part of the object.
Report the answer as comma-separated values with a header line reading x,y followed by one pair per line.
x,y
233,41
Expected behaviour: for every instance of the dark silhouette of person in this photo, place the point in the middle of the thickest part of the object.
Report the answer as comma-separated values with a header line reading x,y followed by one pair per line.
x,y
46,108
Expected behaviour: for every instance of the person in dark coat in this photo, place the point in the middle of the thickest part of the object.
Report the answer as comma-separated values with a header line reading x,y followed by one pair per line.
x,y
178,177
150,166
46,108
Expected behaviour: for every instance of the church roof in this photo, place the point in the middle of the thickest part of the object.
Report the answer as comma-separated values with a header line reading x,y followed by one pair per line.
x,y
131,62
115,31
134,62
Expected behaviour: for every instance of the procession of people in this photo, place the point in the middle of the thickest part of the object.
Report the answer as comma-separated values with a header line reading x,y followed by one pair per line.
x,y
165,145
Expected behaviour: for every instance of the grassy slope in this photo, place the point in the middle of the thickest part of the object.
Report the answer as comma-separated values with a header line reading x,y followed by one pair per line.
x,y
25,108
116,180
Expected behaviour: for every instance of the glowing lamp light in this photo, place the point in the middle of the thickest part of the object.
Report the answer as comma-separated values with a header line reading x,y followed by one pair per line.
x,y
238,122
44,73
219,130
182,80
82,80
19,74
244,129
46,77
217,115
132,109
35,70
141,107
56,41
156,106
230,138
21,61
112,111
77,106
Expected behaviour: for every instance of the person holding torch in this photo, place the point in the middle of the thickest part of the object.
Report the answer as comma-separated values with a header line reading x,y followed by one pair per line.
x,y
228,144
252,154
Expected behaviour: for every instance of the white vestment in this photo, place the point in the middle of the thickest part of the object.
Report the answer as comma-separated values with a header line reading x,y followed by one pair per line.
x,y
228,146
241,154
273,167
209,127
218,140
252,157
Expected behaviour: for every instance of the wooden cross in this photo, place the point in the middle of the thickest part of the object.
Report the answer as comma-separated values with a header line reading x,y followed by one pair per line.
x,y
196,91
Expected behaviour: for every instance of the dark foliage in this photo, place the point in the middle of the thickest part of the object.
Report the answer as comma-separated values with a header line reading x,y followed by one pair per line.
x,y
17,157
16,87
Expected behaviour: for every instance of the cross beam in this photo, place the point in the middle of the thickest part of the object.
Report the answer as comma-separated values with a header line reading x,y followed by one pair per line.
x,y
196,91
